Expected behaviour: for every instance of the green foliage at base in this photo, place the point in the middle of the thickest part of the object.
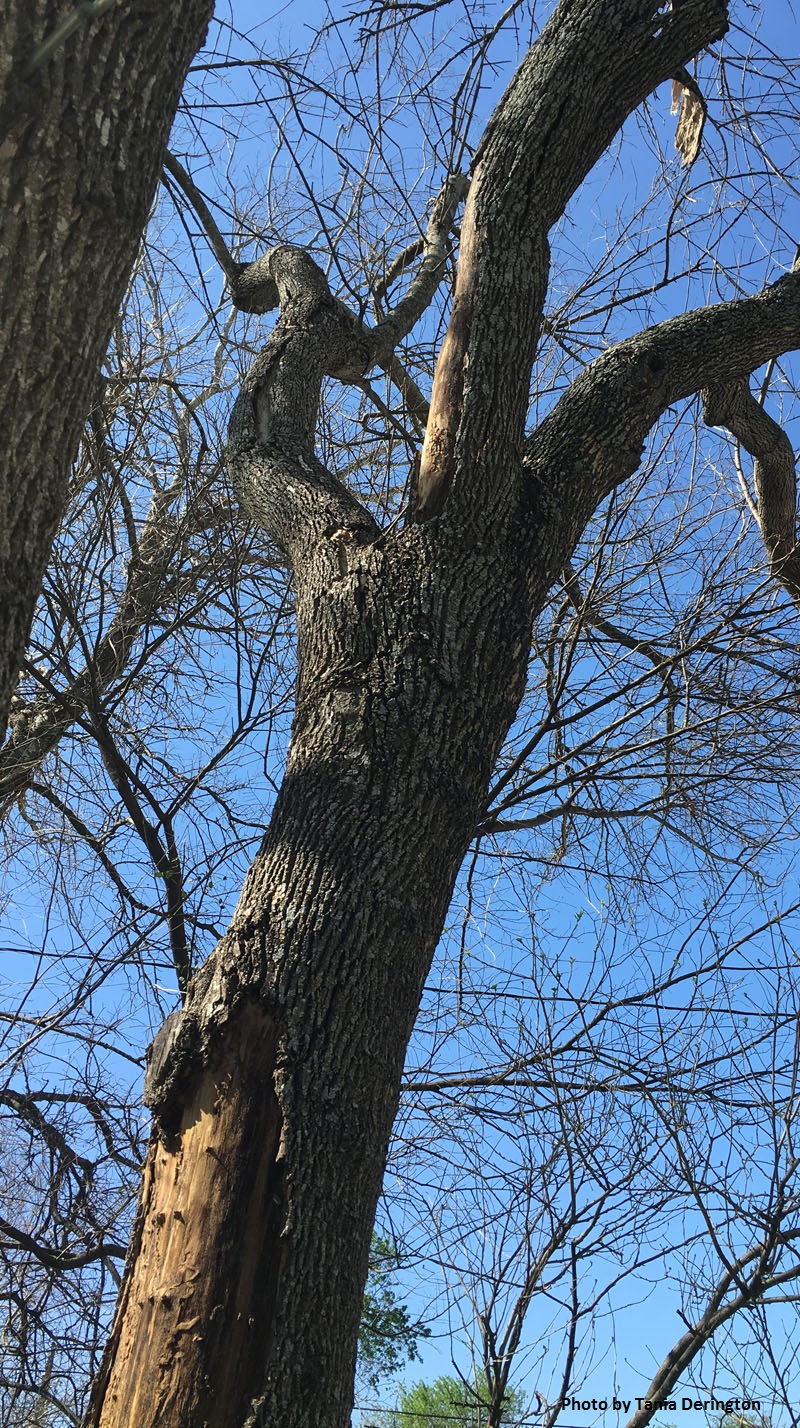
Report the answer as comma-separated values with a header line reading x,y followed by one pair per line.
x,y
446,1403
388,1336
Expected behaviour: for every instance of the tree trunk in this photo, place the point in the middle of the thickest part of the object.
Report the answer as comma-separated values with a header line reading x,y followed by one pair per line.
x,y
234,1295
85,110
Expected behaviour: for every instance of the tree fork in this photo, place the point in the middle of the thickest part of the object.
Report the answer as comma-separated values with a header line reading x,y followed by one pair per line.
x,y
412,659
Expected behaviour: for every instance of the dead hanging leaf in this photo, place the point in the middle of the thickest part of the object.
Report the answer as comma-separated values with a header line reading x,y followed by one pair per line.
x,y
689,132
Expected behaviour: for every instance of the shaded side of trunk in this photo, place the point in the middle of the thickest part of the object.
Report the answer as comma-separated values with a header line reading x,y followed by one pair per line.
x,y
83,127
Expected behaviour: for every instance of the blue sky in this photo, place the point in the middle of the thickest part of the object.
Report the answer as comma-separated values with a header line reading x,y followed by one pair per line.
x,y
571,915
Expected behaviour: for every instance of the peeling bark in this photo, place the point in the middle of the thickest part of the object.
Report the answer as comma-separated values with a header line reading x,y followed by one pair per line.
x,y
191,1325
437,461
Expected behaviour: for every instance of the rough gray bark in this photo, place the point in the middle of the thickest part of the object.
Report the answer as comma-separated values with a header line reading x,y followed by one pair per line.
x,y
413,649
86,103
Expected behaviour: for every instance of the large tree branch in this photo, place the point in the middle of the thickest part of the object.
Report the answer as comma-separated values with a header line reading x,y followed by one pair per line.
x,y
254,288
278,477
270,452
280,480
591,66
593,438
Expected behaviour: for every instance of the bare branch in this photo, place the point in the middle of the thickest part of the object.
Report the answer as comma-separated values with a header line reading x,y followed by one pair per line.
x,y
219,247
594,437
718,1311
36,728
435,249
732,405
60,1259
163,853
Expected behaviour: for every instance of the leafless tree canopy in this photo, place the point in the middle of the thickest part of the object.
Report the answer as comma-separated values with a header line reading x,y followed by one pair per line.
x,y
429,571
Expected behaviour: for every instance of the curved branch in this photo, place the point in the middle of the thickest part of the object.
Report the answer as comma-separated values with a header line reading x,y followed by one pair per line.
x,y
270,452
59,1259
251,287
732,405
219,247
594,436
752,1291
254,289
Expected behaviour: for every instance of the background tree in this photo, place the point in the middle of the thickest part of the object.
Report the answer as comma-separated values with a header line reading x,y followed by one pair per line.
x,y
387,1336
663,669
446,1400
